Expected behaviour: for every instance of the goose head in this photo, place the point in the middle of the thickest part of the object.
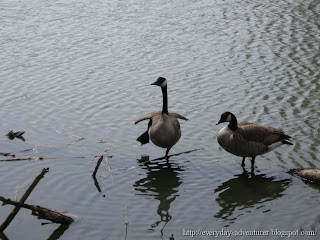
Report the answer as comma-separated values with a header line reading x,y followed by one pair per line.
x,y
226,117
161,82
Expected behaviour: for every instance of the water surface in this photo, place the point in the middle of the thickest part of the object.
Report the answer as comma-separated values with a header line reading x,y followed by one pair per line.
x,y
82,69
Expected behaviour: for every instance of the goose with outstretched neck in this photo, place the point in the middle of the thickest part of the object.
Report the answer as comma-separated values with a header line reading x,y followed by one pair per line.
x,y
163,127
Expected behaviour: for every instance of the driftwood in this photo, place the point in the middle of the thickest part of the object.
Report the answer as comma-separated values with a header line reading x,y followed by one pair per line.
x,y
30,158
3,236
20,159
14,212
42,212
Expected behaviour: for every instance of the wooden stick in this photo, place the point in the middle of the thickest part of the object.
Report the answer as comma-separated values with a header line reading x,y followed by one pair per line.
x,y
3,236
20,159
42,212
96,183
97,166
126,224
14,212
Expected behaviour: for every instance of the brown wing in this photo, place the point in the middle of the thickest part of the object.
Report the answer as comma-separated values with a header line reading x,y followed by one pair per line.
x,y
176,115
244,123
261,134
156,116
147,116
243,147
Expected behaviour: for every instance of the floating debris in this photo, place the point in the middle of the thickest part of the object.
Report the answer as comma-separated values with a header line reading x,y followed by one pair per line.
x,y
308,174
8,155
78,140
42,212
12,135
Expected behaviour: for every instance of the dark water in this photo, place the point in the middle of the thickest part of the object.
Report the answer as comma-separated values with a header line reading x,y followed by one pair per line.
x,y
82,69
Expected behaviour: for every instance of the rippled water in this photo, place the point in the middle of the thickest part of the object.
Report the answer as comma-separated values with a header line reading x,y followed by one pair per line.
x,y
82,69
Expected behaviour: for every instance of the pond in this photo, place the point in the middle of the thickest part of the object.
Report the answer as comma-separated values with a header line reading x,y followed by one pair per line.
x,y
75,75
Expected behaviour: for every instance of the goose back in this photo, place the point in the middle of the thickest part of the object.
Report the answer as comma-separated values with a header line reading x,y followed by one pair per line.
x,y
261,134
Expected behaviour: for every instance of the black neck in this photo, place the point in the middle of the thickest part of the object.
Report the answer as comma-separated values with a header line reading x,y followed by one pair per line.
x,y
165,100
233,125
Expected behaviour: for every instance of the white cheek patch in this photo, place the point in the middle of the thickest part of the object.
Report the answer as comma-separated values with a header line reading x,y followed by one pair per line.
x,y
164,84
228,118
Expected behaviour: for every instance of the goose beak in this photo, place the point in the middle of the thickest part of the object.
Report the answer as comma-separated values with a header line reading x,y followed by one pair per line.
x,y
219,122
155,83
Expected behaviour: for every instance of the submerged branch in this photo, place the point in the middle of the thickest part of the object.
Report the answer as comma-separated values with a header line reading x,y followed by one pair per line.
x,y
14,212
3,236
97,166
42,212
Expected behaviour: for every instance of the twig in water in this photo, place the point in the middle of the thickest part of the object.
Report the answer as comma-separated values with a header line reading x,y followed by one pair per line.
x,y
126,224
14,212
96,183
97,166
16,196
21,159
77,140
108,165
3,236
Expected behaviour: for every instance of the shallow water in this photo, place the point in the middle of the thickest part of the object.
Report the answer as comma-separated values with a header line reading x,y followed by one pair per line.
x,y
82,69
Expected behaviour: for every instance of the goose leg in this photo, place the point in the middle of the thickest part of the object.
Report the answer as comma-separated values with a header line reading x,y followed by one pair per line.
x,y
252,164
167,152
242,163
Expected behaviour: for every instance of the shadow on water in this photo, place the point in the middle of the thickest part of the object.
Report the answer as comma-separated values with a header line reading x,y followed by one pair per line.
x,y
162,183
246,190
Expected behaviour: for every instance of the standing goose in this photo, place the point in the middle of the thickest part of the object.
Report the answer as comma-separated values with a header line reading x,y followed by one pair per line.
x,y
247,139
163,127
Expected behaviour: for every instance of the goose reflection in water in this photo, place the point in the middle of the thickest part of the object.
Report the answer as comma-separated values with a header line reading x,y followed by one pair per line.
x,y
162,182
245,191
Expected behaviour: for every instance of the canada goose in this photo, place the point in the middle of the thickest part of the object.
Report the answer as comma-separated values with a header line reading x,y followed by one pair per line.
x,y
163,127
247,139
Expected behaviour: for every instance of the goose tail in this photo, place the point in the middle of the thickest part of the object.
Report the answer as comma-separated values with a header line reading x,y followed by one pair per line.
x,y
287,142
144,138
